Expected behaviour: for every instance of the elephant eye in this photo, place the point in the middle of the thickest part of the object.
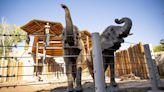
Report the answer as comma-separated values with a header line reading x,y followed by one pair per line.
x,y
108,34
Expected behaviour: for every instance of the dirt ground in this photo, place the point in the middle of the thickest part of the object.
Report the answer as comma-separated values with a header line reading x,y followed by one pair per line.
x,y
88,86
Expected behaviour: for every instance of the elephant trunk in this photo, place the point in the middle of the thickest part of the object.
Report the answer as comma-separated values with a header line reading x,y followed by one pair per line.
x,y
69,25
126,27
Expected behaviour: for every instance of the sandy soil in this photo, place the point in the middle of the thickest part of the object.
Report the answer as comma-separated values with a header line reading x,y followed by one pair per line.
x,y
60,85
88,86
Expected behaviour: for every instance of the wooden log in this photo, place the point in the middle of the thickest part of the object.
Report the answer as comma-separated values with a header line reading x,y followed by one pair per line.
x,y
137,63
12,70
117,64
120,64
9,70
132,59
16,71
20,71
144,61
127,61
4,71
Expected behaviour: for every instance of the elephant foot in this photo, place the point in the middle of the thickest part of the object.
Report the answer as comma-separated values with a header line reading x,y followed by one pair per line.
x,y
78,89
114,85
70,90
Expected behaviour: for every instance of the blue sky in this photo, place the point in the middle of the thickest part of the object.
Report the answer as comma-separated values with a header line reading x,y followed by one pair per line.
x,y
93,15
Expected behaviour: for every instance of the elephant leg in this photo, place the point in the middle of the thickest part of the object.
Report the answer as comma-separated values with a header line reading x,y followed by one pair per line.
x,y
112,72
90,67
78,76
68,64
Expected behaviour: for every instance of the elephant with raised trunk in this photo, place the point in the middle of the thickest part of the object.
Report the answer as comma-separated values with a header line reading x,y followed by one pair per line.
x,y
111,40
73,46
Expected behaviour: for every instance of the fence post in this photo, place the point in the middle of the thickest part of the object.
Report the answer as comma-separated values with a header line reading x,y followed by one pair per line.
x,y
153,72
98,64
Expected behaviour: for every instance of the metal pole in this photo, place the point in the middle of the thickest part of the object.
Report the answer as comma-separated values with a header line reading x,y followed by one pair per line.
x,y
152,71
98,64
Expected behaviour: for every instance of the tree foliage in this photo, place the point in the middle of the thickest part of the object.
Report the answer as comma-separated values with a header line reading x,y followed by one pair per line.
x,y
160,47
6,41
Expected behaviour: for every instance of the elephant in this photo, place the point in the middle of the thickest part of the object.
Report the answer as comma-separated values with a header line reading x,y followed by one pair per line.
x,y
111,40
73,48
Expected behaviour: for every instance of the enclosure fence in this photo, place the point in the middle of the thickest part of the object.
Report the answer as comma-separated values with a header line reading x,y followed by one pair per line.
x,y
135,63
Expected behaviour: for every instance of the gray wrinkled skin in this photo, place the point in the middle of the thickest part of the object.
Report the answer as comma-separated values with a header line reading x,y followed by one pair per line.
x,y
72,46
111,40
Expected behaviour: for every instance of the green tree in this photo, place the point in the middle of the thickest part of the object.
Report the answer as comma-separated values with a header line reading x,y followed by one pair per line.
x,y
160,47
6,42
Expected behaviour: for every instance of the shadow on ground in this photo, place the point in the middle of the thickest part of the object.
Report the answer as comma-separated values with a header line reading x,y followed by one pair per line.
x,y
89,87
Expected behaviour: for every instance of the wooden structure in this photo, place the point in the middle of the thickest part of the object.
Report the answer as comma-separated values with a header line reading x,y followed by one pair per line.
x,y
37,28
132,60
11,71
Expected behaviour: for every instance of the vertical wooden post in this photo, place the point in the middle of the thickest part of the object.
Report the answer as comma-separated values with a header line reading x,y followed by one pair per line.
x,y
144,61
12,70
131,59
16,71
20,70
8,70
98,64
138,65
4,71
122,63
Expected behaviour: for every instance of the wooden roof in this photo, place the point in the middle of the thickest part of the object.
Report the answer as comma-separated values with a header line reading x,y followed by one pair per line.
x,y
36,28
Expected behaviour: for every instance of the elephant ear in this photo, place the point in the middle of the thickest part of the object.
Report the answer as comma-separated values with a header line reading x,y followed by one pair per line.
x,y
108,38
105,44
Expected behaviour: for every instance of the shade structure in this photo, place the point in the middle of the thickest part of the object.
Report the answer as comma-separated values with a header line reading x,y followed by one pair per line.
x,y
37,29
